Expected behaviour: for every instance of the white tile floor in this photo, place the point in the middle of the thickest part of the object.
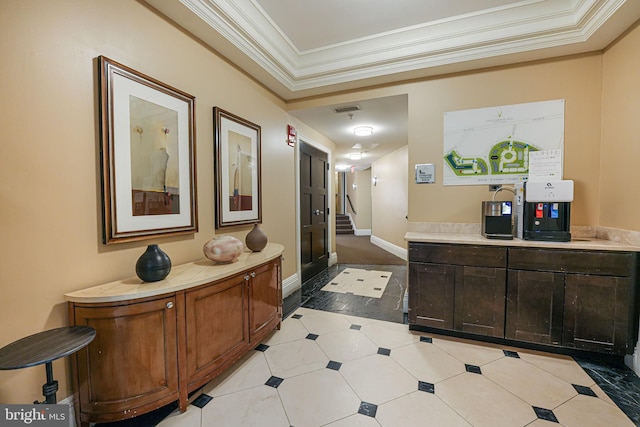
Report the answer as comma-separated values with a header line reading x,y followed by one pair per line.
x,y
353,372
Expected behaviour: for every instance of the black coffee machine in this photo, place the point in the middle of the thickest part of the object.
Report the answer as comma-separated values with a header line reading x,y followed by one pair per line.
x,y
547,211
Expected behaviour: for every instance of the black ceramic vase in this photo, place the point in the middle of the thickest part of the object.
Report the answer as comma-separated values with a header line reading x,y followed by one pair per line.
x,y
256,240
153,265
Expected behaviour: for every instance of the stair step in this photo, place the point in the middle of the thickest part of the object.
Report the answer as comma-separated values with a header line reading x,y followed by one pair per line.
x,y
344,232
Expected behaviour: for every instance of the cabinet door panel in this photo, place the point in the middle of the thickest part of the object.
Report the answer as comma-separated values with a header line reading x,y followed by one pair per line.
x,y
132,362
216,326
535,302
431,295
480,300
264,291
597,313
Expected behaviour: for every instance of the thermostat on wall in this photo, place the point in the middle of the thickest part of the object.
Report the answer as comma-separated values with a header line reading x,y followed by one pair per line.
x,y
426,173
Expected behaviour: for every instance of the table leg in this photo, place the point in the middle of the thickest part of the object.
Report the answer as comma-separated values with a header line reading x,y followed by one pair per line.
x,y
51,387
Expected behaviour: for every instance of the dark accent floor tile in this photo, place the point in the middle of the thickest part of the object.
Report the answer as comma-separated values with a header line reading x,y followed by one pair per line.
x,y
368,409
584,390
334,365
384,351
297,316
545,414
359,280
427,387
356,327
384,276
202,400
511,354
262,347
620,383
377,289
473,369
274,382
334,283
426,339
312,337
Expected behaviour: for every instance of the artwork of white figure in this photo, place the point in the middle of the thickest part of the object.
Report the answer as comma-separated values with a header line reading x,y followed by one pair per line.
x,y
240,172
154,159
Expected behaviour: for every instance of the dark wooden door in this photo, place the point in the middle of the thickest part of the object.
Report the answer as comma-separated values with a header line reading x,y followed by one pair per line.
x,y
431,294
314,211
535,306
479,300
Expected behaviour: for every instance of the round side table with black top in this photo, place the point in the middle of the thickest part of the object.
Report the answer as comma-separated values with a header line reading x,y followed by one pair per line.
x,y
45,347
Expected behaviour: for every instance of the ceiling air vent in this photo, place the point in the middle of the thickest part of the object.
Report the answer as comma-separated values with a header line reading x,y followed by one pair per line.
x,y
347,109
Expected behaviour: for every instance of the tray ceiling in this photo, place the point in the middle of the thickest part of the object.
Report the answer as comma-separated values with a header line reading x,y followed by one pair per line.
x,y
300,48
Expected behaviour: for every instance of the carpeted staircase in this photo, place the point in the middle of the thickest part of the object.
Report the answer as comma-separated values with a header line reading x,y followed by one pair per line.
x,y
343,224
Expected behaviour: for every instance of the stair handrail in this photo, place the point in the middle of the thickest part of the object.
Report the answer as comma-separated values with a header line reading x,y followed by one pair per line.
x,y
351,204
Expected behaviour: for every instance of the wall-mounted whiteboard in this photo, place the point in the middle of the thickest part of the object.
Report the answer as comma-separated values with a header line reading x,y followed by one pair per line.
x,y
491,145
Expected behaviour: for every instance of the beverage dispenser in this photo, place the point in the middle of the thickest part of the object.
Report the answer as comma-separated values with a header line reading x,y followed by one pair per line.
x,y
547,210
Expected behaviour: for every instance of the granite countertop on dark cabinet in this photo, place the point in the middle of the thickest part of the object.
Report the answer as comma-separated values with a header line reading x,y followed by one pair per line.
x,y
578,295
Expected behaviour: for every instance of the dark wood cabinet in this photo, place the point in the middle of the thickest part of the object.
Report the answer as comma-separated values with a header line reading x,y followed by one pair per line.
x,y
580,299
479,300
535,306
459,288
149,352
597,313
431,294
585,299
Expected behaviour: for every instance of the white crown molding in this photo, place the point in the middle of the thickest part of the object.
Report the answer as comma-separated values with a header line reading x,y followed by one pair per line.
x,y
542,27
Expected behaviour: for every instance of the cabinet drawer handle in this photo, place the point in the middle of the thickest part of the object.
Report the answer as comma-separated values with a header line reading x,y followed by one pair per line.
x,y
246,277
253,274
169,304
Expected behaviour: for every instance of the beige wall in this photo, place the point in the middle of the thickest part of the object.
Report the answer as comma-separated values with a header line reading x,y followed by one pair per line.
x,y
577,80
620,151
360,197
50,203
389,198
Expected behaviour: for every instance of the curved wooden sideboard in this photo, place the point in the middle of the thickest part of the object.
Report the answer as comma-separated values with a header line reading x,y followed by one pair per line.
x,y
157,342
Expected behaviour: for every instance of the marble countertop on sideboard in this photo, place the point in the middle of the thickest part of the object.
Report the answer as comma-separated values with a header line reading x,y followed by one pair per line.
x,y
582,243
181,277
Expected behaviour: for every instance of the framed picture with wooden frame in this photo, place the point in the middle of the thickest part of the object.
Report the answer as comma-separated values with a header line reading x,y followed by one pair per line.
x,y
237,164
147,156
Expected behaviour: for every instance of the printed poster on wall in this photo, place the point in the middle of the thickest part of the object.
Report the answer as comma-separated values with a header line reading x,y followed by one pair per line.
x,y
489,146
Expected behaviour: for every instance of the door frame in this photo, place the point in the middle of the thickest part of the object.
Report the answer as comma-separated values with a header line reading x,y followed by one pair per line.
x,y
330,194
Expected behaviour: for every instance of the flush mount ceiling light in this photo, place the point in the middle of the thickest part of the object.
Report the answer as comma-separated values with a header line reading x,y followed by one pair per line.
x,y
363,131
355,156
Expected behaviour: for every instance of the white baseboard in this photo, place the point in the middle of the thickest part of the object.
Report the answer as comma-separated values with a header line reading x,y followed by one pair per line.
x,y
362,232
290,285
390,247
333,259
